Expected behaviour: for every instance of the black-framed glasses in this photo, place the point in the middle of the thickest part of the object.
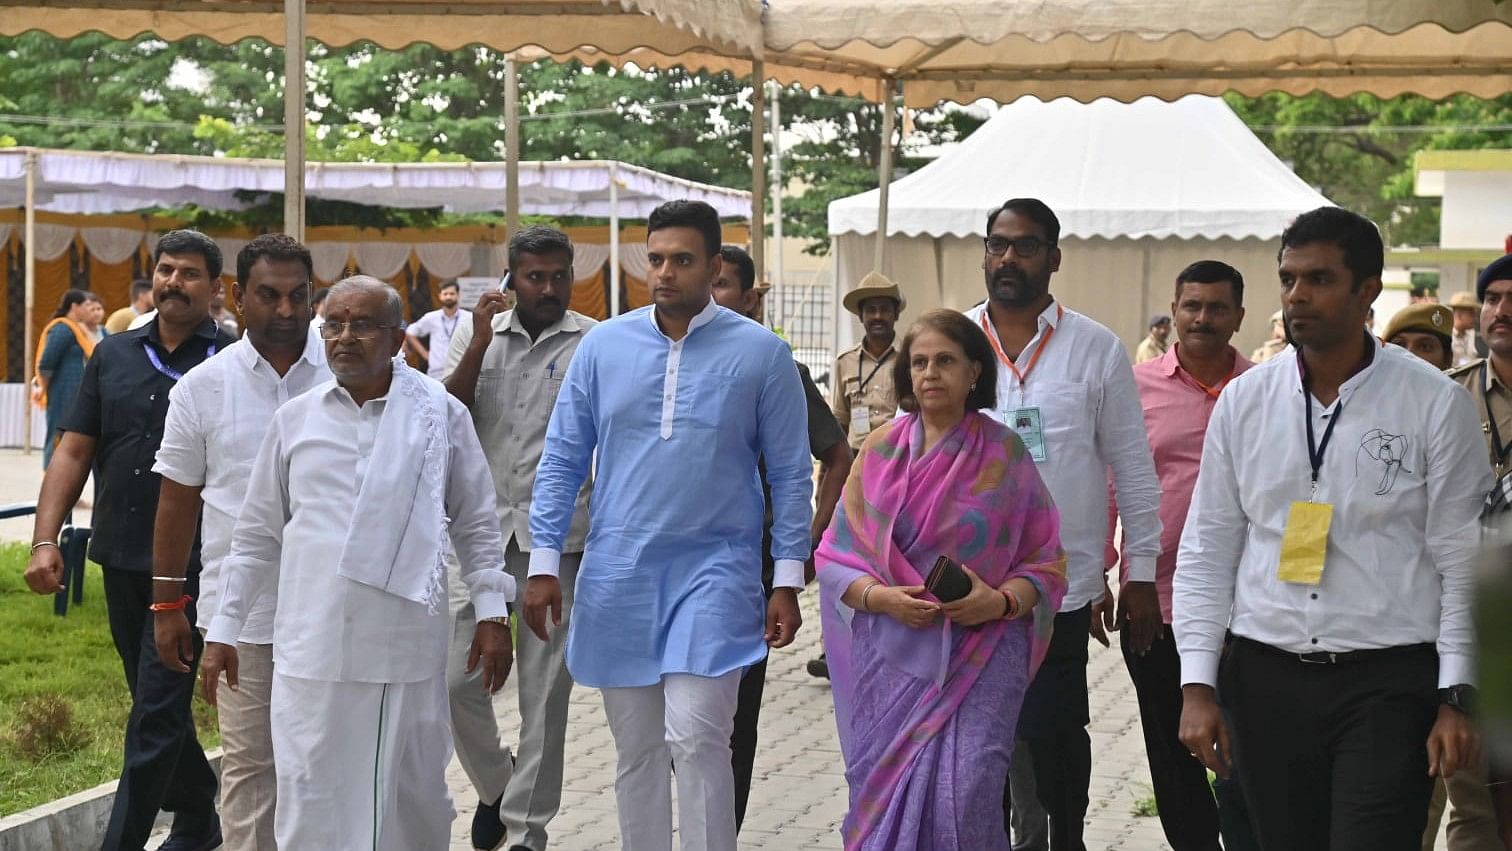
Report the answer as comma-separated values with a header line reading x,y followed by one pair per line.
x,y
361,329
1024,246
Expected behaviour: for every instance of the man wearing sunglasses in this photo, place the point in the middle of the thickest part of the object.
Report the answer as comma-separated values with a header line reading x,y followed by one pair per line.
x,y
1066,386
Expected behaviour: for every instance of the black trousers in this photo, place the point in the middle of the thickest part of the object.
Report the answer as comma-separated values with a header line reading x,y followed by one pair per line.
x,y
1332,757
743,737
1053,723
165,767
1188,811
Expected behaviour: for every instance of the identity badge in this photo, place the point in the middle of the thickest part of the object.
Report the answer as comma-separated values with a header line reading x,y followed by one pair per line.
x,y
1304,543
860,424
1026,421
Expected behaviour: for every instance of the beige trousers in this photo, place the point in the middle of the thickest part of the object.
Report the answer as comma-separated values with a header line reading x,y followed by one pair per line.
x,y
249,785
1472,821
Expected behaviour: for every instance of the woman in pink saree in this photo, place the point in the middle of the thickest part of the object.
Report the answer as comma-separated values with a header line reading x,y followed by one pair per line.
x,y
927,695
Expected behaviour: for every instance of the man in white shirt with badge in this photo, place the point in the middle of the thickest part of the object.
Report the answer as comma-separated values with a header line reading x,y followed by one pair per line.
x,y
217,416
437,327
358,487
1066,386
1324,584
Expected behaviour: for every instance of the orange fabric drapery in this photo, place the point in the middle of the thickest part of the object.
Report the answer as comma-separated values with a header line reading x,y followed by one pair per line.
x,y
588,296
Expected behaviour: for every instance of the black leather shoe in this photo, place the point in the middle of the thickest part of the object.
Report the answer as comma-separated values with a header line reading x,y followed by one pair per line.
x,y
488,832
819,667
205,839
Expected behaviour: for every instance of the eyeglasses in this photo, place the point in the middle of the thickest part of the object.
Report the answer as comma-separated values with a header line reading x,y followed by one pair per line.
x,y
1024,246
361,329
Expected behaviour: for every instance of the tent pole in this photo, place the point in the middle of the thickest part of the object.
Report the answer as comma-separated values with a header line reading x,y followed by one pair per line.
x,y
884,172
294,118
511,144
614,240
776,318
758,167
30,233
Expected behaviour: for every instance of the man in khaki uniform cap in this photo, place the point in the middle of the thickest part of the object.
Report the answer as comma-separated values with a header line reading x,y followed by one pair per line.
x,y
862,393
1423,329
1272,347
1467,340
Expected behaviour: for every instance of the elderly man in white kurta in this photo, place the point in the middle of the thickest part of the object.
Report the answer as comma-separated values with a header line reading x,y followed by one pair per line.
x,y
357,487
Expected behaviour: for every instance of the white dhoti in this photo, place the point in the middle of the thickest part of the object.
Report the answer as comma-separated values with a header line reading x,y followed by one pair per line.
x,y
684,720
362,765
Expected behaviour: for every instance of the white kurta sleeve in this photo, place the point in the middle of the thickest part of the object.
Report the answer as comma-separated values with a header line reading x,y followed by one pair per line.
x,y
1125,447
1212,541
251,569
474,529
1459,476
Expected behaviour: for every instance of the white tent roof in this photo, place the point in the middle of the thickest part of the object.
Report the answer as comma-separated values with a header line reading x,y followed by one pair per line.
x,y
104,182
1189,168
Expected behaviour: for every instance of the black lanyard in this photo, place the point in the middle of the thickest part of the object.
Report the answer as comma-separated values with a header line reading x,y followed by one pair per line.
x,y
874,371
1497,447
1315,450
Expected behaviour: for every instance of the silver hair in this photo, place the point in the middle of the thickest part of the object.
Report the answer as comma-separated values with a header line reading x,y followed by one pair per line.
x,y
393,304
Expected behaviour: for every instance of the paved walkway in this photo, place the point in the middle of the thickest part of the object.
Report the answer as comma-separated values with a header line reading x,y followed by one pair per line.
x,y
798,794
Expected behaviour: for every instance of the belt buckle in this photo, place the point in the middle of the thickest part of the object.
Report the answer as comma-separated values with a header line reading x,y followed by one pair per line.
x,y
1321,657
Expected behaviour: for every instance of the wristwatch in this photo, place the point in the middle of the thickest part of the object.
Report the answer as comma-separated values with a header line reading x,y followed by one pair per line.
x,y
1461,697
502,621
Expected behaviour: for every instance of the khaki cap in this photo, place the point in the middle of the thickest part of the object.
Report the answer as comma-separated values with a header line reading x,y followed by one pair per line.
x,y
1464,300
874,285
1423,318
1276,317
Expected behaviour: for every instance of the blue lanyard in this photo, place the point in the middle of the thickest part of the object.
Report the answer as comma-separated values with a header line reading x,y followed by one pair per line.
x,y
157,362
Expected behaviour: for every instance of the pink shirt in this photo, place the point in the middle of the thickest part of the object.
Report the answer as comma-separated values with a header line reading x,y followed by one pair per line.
x,y
1176,411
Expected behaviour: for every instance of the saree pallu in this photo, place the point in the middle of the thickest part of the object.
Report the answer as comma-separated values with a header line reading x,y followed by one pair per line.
x,y
926,716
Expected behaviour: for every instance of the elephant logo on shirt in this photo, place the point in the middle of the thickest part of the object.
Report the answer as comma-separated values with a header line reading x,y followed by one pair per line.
x,y
1390,451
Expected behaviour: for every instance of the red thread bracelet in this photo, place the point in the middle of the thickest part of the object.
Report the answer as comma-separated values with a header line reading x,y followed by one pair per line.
x,y
170,607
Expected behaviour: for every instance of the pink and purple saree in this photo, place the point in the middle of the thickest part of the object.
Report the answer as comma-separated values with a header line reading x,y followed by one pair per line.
x,y
927,716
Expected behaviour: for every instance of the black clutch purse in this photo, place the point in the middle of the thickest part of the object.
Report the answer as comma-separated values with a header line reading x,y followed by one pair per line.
x,y
947,581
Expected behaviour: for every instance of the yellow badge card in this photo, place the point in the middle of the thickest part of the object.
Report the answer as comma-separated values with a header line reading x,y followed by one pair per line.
x,y
1304,543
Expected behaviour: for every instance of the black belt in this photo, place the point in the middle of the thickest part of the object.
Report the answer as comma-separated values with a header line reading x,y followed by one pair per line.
x,y
1343,657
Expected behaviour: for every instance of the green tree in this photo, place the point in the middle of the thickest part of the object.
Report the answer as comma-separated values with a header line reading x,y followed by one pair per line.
x,y
1359,150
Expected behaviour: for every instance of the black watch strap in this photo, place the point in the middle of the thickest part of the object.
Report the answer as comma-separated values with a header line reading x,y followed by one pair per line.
x,y
1461,697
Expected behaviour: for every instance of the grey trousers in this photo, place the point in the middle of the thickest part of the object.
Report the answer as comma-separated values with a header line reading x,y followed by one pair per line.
x,y
530,783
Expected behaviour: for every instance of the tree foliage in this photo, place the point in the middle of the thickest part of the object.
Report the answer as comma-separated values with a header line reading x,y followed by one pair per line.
x,y
365,103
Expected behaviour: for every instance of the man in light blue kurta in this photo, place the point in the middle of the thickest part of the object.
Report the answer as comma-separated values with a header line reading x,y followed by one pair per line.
x,y
679,399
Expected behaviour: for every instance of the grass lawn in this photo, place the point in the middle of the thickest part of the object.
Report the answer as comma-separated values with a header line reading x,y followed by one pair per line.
x,y
73,658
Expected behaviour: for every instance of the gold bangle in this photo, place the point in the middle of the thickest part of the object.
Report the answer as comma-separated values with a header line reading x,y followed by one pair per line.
x,y
866,597
40,544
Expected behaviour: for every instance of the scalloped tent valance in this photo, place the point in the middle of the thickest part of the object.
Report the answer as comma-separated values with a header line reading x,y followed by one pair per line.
x,y
959,51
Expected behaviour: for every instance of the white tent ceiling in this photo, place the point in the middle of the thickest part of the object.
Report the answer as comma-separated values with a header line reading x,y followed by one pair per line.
x,y
1186,169
98,182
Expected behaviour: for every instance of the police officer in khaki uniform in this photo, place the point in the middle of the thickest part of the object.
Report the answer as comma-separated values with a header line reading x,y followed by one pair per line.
x,y
1489,380
1472,819
862,393
1423,329
1274,346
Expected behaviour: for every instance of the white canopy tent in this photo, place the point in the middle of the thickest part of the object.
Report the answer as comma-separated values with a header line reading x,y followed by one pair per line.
x,y
1141,190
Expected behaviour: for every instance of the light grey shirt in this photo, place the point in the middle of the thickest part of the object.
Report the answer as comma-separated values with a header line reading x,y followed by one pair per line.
x,y
517,388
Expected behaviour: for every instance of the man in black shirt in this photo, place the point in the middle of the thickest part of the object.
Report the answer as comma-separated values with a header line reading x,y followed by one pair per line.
x,y
114,428
735,289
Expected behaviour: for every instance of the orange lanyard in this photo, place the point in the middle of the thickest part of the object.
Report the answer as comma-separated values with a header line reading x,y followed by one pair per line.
x,y
1211,391
1060,313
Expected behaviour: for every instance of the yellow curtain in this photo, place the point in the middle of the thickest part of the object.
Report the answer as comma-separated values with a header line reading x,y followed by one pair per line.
x,y
588,296
113,283
52,283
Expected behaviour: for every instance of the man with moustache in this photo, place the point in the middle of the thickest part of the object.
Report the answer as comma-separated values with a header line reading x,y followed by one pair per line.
x,y
437,327
507,367
358,488
217,416
1157,342
735,289
863,396
115,428
1178,391
669,608
1066,386
1326,571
